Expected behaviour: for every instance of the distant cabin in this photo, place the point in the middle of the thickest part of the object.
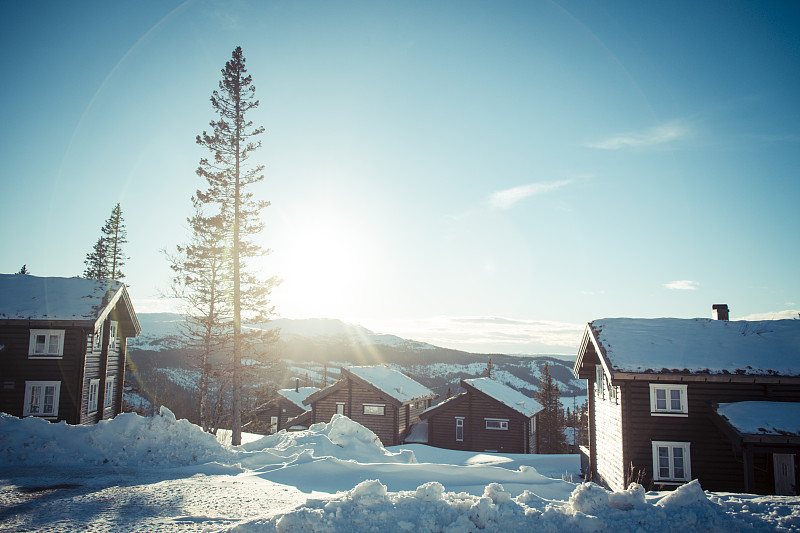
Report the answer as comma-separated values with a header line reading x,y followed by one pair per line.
x,y
672,400
284,406
489,416
378,397
63,347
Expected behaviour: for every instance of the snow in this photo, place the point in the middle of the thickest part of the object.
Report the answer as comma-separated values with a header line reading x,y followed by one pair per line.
x,y
506,395
296,396
418,433
388,380
762,418
161,474
23,296
701,345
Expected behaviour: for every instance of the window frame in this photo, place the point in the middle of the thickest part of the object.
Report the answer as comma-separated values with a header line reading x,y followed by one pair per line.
x,y
26,408
687,462
48,333
459,426
92,401
373,407
599,380
113,331
683,390
341,407
502,424
97,340
108,391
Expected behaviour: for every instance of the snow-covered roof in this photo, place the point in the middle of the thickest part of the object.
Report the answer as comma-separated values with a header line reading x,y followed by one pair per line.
x,y
393,383
700,345
762,418
26,297
297,396
504,394
453,398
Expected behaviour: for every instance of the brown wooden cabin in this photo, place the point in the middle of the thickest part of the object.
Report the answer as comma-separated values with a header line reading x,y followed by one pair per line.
x,y
63,347
489,416
286,405
377,397
655,387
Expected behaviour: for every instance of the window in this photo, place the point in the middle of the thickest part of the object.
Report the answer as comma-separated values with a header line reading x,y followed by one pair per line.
x,y
459,429
339,408
97,339
668,400
273,424
374,409
108,393
94,386
671,461
46,343
112,337
496,423
41,398
599,381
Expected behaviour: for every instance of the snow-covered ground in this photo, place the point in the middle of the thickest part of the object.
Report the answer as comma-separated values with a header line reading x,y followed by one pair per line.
x,y
161,474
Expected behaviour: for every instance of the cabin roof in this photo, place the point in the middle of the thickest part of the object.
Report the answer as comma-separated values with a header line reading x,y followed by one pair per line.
x,y
511,398
448,402
391,382
54,299
296,396
695,346
762,418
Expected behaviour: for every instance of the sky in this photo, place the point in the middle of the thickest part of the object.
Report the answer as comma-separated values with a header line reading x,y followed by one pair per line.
x,y
483,176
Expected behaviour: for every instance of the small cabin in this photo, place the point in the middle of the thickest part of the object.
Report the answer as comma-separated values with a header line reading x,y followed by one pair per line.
x,y
672,400
489,416
63,345
285,405
378,397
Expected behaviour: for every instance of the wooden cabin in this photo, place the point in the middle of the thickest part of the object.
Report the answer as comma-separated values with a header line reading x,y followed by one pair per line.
x,y
286,405
489,416
667,397
378,397
63,347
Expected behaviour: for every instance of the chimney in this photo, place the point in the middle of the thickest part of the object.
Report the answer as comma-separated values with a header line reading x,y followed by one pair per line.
x,y
297,385
719,311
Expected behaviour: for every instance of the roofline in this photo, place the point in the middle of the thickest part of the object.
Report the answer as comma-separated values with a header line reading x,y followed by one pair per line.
x,y
333,387
122,293
523,415
739,439
448,402
395,401
588,336
704,378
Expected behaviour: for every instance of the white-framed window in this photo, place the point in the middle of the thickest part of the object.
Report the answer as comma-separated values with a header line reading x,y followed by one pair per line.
x,y
668,400
108,393
94,387
273,424
374,409
46,344
459,429
671,461
97,339
339,408
496,423
599,381
41,398
112,337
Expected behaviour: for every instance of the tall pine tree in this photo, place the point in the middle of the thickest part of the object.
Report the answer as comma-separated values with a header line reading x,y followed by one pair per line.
x,y
106,257
551,419
230,176
97,261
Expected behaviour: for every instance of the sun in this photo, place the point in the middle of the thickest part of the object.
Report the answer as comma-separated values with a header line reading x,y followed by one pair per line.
x,y
325,269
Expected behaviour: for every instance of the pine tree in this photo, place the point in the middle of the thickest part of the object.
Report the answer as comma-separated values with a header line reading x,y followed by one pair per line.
x,y
487,372
551,418
115,236
97,261
229,177
23,270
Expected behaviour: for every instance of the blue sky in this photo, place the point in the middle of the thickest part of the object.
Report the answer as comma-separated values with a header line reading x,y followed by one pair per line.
x,y
487,176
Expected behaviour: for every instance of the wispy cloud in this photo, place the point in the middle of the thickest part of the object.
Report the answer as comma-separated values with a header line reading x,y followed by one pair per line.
x,y
773,315
683,285
508,197
650,137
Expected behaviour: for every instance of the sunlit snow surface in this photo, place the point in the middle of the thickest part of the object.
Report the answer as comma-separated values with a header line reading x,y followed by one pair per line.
x,y
162,474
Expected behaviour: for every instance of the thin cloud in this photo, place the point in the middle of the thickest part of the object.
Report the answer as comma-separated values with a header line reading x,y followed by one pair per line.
x,y
505,199
773,315
682,285
650,137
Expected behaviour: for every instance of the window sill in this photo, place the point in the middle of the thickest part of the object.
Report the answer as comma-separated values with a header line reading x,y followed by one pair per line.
x,y
678,415
45,356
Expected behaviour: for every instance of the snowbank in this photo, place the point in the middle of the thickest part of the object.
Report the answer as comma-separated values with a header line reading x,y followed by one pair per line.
x,y
370,507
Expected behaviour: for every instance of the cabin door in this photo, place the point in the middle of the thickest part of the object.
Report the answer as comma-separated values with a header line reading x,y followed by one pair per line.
x,y
784,474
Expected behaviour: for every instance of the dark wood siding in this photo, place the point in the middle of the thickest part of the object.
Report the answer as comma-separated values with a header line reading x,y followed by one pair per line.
x,y
280,407
714,460
16,368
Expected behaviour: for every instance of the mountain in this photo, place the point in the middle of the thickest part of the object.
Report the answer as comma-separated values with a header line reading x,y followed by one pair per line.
x,y
310,347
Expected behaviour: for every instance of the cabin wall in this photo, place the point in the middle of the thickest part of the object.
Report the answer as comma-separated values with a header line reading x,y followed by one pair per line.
x,y
608,436
16,367
442,425
280,407
714,462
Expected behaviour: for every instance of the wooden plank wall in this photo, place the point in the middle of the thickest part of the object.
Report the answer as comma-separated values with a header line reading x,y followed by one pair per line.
x,y
282,408
608,438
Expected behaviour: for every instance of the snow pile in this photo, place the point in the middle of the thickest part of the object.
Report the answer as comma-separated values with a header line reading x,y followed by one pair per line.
x,y
127,440
370,507
764,418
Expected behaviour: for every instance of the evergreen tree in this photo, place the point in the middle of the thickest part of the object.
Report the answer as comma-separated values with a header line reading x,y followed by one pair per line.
x,y
229,176
115,235
487,372
97,261
551,418
23,270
